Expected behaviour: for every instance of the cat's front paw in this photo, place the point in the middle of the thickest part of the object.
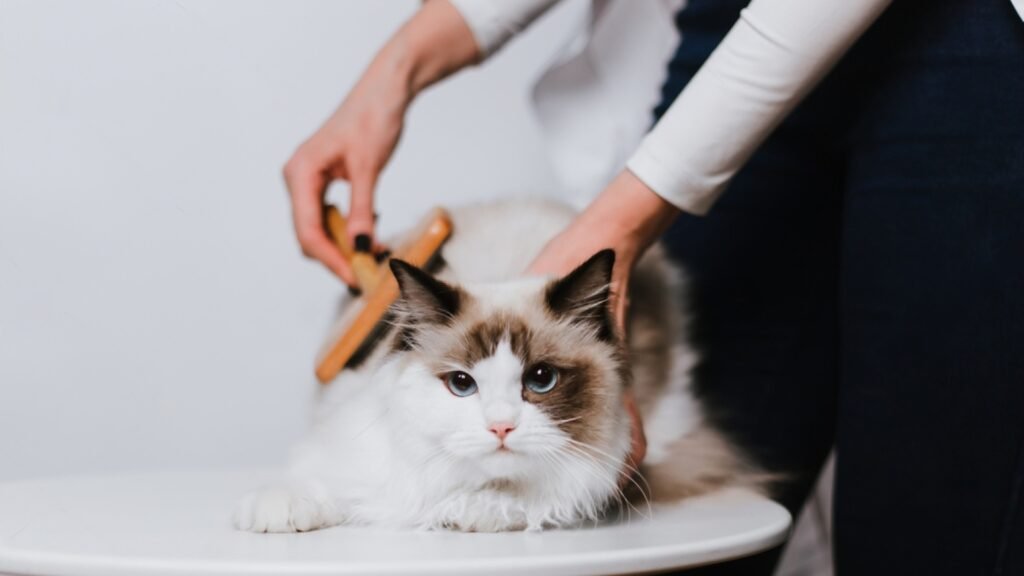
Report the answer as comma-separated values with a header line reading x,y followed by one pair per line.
x,y
484,511
285,509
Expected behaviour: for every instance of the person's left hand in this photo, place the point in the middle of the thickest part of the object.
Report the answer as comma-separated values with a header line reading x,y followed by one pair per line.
x,y
627,217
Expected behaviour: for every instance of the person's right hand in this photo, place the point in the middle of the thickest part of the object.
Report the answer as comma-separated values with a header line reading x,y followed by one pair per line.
x,y
358,139
353,145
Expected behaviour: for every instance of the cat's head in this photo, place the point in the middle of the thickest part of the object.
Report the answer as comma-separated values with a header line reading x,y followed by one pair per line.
x,y
514,378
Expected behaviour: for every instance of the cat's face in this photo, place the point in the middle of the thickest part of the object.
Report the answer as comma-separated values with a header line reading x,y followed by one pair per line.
x,y
506,380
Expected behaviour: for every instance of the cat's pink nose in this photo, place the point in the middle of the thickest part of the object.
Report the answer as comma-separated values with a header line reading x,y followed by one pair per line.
x,y
502,429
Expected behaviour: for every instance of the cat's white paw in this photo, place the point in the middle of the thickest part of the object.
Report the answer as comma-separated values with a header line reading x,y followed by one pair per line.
x,y
284,509
484,511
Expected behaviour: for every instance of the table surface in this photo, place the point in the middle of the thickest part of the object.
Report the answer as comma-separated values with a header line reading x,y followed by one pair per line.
x,y
177,523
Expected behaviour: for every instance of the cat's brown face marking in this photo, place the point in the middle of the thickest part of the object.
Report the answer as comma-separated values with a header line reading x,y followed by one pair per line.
x,y
481,340
574,402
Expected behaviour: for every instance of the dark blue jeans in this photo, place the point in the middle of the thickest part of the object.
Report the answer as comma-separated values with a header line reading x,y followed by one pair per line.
x,y
861,282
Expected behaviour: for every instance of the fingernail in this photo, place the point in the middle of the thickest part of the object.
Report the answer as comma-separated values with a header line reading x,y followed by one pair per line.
x,y
363,243
382,256
354,292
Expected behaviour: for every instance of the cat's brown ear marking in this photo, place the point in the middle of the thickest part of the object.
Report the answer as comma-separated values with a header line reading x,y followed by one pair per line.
x,y
423,297
583,294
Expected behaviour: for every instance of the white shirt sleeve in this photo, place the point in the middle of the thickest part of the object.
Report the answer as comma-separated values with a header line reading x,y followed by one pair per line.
x,y
494,22
770,59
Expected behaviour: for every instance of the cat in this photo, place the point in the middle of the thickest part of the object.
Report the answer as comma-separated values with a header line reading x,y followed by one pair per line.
x,y
495,402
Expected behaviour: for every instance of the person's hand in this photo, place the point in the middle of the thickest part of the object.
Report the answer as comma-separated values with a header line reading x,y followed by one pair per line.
x,y
627,217
357,140
353,145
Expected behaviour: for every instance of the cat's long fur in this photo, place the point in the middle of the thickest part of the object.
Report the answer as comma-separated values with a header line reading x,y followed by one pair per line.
x,y
392,446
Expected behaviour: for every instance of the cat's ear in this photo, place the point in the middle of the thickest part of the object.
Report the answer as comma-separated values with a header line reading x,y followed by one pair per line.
x,y
424,297
584,293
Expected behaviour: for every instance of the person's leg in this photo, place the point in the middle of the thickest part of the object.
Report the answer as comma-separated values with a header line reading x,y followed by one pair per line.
x,y
763,266
930,454
763,269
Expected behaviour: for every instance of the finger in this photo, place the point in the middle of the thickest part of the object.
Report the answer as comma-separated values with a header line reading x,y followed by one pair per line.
x,y
638,440
360,216
318,246
381,252
621,310
306,187
620,306
638,445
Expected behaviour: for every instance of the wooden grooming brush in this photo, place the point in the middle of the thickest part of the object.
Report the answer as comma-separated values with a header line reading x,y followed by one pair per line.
x,y
380,289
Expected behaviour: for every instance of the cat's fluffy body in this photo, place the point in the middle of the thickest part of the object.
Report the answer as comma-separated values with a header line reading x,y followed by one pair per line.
x,y
393,446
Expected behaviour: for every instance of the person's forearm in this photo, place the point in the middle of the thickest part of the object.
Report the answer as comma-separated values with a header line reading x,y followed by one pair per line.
x,y
774,55
433,44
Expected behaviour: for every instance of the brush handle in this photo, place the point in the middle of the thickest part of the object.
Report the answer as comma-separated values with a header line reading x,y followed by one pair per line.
x,y
433,231
337,226
367,271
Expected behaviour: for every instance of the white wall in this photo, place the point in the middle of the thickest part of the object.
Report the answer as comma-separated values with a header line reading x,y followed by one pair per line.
x,y
154,307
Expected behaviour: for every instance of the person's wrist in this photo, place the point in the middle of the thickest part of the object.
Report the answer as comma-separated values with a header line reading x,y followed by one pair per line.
x,y
635,213
391,75
435,42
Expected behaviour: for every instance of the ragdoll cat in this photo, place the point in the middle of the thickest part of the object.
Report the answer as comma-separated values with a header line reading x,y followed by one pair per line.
x,y
495,402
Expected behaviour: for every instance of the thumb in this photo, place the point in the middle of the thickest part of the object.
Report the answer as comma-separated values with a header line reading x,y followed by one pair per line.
x,y
360,217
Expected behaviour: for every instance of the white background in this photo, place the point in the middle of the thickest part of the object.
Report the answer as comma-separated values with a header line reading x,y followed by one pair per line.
x,y
154,308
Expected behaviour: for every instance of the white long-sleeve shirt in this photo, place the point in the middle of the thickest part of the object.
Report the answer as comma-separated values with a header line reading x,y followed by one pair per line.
x,y
773,56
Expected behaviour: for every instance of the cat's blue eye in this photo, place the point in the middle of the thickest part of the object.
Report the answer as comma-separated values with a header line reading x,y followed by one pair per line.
x,y
460,383
540,378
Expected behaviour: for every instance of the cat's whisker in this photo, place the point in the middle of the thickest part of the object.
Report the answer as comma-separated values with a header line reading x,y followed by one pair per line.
x,y
446,461
589,463
610,464
624,469
626,466
553,457
566,421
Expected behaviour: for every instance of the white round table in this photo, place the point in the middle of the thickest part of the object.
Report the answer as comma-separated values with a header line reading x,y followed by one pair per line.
x,y
180,523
